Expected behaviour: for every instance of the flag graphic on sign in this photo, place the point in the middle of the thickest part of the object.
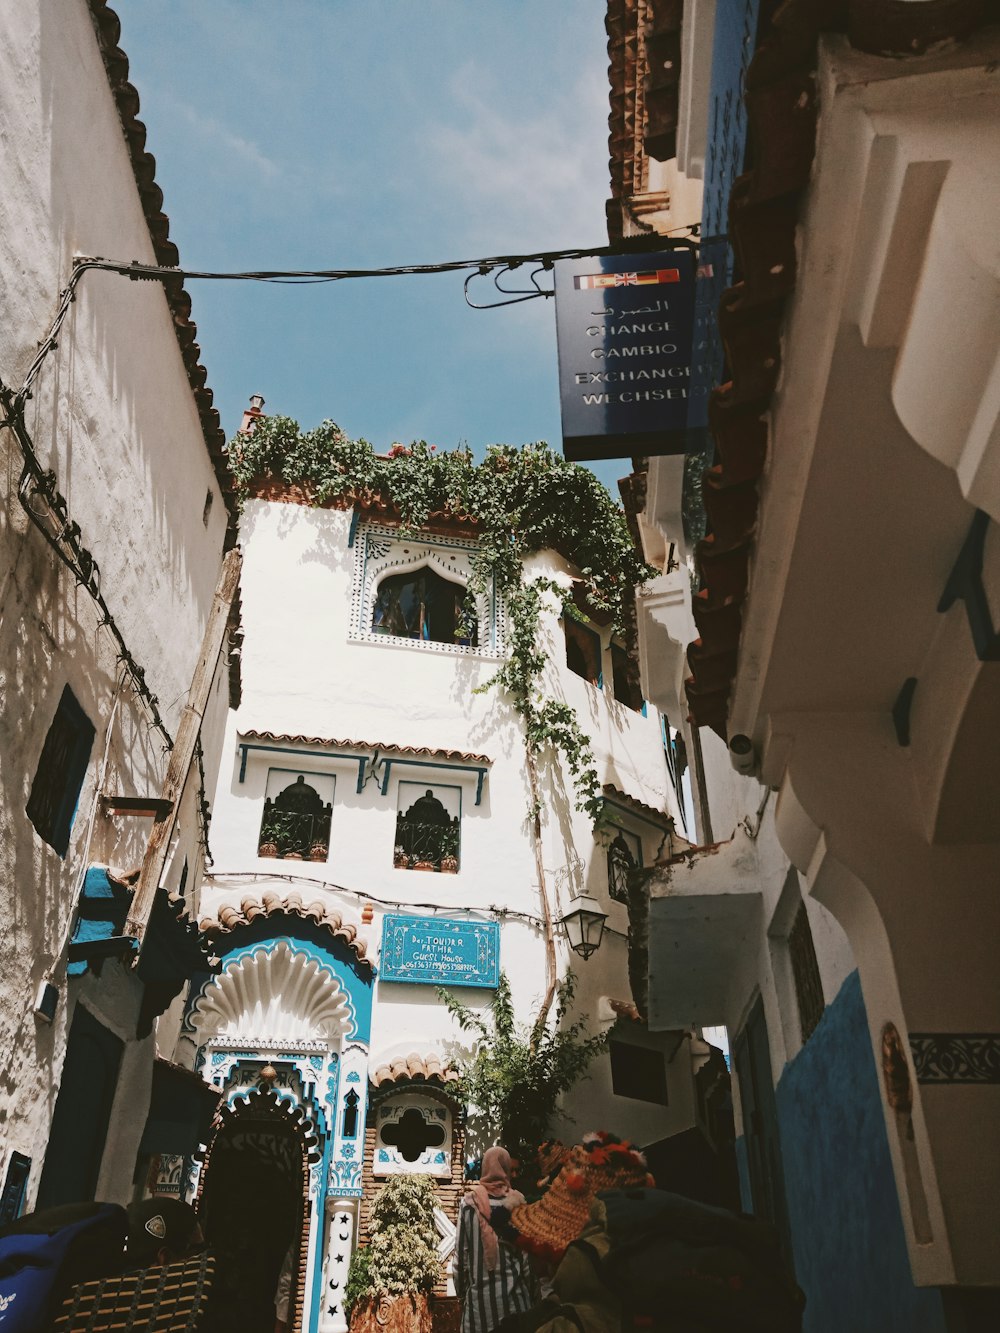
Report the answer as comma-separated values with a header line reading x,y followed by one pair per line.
x,y
646,278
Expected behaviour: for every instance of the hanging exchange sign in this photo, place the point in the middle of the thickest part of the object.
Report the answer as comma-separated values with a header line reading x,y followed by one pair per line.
x,y
624,328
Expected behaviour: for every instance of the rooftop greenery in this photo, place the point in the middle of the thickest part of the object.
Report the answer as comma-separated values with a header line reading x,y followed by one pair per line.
x,y
522,500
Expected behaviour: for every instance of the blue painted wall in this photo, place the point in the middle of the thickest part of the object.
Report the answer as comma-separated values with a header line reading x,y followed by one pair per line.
x,y
850,1250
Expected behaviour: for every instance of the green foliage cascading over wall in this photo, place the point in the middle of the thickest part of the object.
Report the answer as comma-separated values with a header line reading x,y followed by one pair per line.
x,y
521,501
516,1074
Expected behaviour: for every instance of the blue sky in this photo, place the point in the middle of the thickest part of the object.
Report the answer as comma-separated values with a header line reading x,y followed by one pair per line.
x,y
365,133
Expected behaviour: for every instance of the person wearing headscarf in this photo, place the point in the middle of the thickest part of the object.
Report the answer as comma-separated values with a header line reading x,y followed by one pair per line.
x,y
492,1277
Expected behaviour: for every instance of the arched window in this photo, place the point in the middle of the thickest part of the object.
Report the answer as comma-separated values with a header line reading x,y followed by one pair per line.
x,y
349,1127
426,834
621,863
422,605
296,823
413,1133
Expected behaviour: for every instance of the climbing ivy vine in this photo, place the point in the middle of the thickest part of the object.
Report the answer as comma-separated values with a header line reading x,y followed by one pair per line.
x,y
521,501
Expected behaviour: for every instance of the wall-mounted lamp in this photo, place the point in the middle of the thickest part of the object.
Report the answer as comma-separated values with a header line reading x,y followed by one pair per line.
x,y
584,924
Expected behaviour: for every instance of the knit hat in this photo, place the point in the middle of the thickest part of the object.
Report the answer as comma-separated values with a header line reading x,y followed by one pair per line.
x,y
600,1162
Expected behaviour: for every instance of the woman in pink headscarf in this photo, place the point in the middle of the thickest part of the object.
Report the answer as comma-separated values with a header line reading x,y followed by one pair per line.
x,y
492,1277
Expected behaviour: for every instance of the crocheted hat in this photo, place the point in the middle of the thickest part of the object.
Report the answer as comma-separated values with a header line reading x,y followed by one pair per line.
x,y
170,1298
600,1162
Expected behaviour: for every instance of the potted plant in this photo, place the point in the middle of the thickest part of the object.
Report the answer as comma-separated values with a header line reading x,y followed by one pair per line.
x,y
270,832
319,851
422,863
449,849
390,1281
400,859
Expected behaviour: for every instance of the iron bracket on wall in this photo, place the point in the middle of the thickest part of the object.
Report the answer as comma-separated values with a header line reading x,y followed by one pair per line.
x,y
965,582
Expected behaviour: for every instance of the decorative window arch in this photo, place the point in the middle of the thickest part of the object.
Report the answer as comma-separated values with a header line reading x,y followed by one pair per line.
x,y
413,1134
296,820
410,592
422,604
622,863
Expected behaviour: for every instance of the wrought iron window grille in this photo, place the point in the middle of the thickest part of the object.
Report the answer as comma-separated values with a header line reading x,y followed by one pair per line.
x,y
427,837
805,973
296,824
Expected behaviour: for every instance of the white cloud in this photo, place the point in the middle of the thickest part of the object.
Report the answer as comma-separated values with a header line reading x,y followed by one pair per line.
x,y
235,145
531,177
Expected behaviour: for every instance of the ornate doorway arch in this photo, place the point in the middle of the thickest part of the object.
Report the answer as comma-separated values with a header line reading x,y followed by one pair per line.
x,y
253,1199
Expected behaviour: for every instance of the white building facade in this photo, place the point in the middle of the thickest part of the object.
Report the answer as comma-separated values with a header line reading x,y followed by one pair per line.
x,y
841,641
115,514
371,840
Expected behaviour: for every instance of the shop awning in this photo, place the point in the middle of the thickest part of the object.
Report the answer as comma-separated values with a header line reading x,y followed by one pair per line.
x,y
180,1111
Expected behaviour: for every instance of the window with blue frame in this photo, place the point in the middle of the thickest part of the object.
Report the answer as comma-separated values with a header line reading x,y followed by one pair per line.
x,y
423,605
62,767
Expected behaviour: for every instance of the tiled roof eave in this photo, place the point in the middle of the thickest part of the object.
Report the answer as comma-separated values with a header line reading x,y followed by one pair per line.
x,y
367,747
763,216
229,918
414,1069
108,29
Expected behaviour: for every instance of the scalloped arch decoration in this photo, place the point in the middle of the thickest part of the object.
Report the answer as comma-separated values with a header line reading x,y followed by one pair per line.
x,y
381,551
273,993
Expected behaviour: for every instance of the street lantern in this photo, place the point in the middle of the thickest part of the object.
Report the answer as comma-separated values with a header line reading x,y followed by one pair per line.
x,y
584,923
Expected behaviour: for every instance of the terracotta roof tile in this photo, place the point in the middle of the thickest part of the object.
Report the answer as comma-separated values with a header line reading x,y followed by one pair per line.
x,y
413,1068
649,811
285,738
230,918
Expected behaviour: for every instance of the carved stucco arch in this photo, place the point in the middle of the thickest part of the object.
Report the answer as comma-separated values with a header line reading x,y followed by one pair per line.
x,y
271,993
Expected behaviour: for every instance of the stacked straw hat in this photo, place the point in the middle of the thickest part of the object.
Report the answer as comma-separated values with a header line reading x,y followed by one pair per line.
x,y
600,1162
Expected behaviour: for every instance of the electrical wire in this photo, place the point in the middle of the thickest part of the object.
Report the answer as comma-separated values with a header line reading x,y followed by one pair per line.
x,y
63,535
491,912
137,270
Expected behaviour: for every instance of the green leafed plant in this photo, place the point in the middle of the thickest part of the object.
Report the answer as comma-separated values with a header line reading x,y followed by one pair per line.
x,y
517,1073
401,1256
521,500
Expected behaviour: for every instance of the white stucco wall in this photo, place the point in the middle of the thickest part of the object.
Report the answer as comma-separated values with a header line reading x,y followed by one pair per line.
x,y
303,676
114,416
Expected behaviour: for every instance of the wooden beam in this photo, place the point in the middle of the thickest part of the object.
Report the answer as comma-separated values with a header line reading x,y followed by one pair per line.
x,y
149,807
183,753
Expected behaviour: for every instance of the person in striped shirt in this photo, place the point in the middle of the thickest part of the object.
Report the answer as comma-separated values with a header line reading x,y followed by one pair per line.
x,y
492,1277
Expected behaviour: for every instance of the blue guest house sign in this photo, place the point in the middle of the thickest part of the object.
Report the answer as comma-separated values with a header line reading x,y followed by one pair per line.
x,y
624,328
439,952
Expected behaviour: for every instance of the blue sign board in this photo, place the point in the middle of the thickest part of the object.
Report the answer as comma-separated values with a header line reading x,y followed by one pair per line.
x,y
624,328
733,46
433,951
